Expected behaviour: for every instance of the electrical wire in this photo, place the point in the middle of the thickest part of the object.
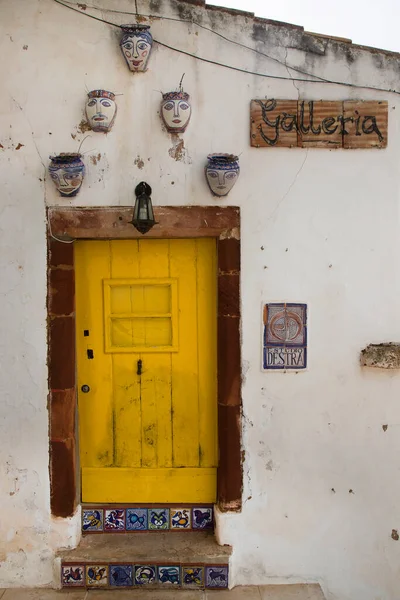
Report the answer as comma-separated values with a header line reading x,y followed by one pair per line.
x,y
86,14
238,69
193,22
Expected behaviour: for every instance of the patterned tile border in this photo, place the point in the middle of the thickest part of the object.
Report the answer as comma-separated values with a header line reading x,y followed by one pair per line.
x,y
137,519
121,575
193,576
97,575
129,575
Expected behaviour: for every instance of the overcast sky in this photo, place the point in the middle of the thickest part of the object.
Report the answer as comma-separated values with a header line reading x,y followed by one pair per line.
x,y
367,22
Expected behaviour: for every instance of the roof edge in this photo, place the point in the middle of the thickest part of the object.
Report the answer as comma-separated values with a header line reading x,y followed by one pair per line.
x,y
261,20
326,36
232,11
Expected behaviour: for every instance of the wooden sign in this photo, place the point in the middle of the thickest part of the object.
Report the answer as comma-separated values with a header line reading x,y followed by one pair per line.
x,y
318,124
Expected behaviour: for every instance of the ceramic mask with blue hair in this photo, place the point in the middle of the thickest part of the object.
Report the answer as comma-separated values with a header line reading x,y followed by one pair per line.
x,y
67,171
222,172
136,44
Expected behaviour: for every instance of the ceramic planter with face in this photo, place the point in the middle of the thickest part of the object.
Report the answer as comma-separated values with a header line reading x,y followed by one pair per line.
x,y
175,111
67,171
222,171
136,44
101,110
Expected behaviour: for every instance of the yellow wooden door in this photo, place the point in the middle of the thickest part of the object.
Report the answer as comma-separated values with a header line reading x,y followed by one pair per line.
x,y
146,350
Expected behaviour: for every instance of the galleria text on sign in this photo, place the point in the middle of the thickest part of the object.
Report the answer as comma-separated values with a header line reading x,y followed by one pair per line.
x,y
321,124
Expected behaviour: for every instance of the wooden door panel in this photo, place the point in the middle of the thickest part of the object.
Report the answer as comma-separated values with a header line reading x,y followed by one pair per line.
x,y
148,437
127,411
156,409
185,374
124,263
207,360
95,407
148,485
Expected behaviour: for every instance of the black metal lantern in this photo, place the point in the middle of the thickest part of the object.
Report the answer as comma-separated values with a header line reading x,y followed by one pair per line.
x,y
143,215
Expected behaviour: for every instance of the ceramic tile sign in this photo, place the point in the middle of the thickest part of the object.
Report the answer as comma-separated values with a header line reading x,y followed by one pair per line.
x,y
318,123
285,336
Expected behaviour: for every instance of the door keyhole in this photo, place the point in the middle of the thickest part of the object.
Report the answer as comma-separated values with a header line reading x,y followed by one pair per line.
x,y
139,367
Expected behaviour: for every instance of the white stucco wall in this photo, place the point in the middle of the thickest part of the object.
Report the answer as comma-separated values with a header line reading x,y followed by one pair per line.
x,y
328,222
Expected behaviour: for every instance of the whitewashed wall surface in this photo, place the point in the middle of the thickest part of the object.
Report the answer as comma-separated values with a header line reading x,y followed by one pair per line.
x,y
321,473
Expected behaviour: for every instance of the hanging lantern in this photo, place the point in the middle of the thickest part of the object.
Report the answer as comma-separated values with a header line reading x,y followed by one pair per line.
x,y
136,44
143,215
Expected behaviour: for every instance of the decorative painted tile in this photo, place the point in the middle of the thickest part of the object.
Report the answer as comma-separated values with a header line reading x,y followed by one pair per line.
x,y
92,519
168,574
121,575
285,336
158,518
193,576
216,576
202,517
180,518
285,324
114,520
73,575
284,358
96,575
136,519
145,574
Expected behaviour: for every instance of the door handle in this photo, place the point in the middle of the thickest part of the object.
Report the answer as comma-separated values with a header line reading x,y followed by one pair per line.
x,y
139,367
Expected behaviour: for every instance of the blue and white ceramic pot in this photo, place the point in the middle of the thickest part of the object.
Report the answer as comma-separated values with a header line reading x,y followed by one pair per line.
x,y
222,172
136,44
67,171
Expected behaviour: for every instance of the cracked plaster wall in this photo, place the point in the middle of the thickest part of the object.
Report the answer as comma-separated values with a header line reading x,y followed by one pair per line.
x,y
318,226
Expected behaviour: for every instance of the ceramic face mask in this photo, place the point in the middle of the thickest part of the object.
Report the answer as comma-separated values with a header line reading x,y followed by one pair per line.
x,y
67,172
101,110
176,111
136,44
222,172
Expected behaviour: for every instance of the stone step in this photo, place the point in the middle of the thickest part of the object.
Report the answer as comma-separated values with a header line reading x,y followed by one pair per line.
x,y
175,559
300,591
268,592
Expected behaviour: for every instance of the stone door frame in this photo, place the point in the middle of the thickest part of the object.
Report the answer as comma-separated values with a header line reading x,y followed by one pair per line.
x,y
71,223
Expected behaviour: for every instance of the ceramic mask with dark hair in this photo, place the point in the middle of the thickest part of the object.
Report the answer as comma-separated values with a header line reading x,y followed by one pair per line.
x,y
67,172
101,110
222,172
136,44
176,111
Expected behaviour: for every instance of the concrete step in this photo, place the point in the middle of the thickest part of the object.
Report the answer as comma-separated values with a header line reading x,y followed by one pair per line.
x,y
301,591
175,559
268,592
